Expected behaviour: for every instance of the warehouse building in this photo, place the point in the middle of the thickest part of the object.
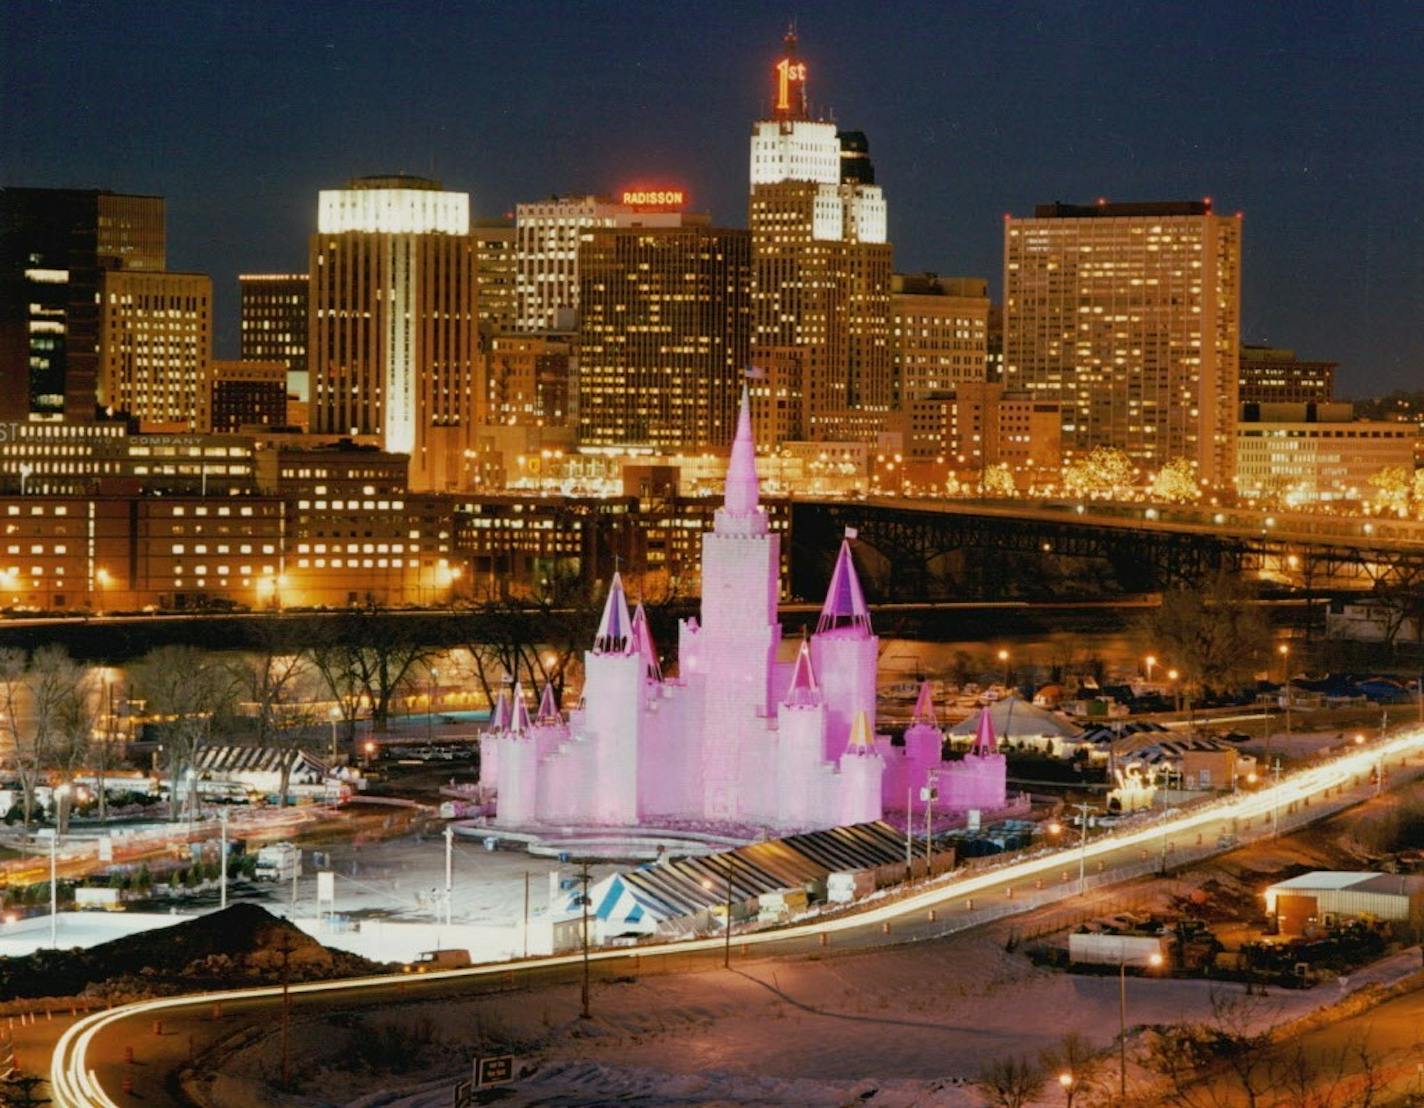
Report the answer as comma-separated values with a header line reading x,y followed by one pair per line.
x,y
1323,898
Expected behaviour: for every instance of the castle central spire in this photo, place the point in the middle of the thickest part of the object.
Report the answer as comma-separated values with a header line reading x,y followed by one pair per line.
x,y
741,512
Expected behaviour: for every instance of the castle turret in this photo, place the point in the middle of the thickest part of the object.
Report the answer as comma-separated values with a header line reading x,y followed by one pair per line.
x,y
518,766
979,780
801,771
845,651
549,707
613,706
643,645
924,741
861,770
489,745
734,648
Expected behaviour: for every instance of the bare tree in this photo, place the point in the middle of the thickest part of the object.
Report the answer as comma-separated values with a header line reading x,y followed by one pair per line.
x,y
369,655
1009,1082
1214,634
186,689
1079,1060
273,682
25,752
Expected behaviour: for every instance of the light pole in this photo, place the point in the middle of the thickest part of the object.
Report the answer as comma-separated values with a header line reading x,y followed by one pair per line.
x,y
61,794
101,579
449,870
583,898
222,858
1172,676
1083,810
1284,651
334,714
191,776
1065,1082
1154,961
1004,659
430,707
1150,661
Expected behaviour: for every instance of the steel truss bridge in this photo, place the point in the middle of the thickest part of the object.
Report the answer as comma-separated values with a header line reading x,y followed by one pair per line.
x,y
921,549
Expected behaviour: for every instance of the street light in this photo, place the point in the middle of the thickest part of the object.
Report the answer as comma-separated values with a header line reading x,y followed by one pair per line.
x,y
1172,676
1149,662
1004,658
1154,960
1065,1082
334,714
61,794
101,579
430,707
1284,651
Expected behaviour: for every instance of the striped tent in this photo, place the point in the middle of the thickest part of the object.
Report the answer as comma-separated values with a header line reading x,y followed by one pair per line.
x,y
677,895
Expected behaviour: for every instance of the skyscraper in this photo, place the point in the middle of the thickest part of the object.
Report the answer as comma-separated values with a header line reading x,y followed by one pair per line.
x,y
393,334
663,334
156,348
940,332
54,245
1272,375
547,235
274,323
496,276
248,394
1128,316
820,269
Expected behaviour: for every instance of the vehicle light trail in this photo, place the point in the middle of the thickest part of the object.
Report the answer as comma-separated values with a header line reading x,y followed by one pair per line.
x,y
74,1085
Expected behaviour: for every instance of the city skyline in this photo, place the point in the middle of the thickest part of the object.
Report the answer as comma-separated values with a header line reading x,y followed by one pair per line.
x,y
1300,122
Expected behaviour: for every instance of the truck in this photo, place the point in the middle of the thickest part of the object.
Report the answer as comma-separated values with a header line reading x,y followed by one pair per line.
x,y
452,958
278,862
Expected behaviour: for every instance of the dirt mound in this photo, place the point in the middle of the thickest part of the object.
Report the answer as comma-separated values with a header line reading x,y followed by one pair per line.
x,y
241,945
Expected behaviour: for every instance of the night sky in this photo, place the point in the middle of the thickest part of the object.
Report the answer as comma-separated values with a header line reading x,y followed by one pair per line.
x,y
1308,117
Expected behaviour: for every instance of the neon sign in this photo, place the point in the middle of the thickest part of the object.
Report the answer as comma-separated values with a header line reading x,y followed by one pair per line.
x,y
654,198
787,73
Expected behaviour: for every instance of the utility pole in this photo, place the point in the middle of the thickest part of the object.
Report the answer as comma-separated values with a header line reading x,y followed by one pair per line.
x,y
910,831
526,913
929,824
296,872
727,940
222,858
449,870
583,879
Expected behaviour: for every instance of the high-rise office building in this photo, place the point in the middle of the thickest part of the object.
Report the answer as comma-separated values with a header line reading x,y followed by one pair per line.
x,y
547,235
156,348
54,246
274,323
940,332
821,269
248,394
1270,375
393,336
526,381
663,334
496,276
1128,317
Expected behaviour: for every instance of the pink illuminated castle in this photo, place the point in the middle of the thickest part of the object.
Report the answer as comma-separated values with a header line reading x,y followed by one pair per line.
x,y
737,737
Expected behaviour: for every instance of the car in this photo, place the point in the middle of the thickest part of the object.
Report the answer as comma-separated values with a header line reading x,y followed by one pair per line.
x,y
430,960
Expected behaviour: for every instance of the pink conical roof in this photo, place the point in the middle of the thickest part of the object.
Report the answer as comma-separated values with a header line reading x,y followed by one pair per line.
x,y
984,740
549,705
924,706
803,692
519,721
845,603
499,714
614,629
862,738
643,644
743,492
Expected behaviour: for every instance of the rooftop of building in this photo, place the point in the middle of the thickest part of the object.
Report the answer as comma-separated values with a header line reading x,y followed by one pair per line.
x,y
1104,209
395,181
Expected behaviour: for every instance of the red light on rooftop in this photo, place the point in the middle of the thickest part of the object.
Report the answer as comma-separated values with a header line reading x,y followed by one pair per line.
x,y
1102,201
1206,200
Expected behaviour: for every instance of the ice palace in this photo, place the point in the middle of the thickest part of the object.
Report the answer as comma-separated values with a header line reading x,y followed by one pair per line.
x,y
736,738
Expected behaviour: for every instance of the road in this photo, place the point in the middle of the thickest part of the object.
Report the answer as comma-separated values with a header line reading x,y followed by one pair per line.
x,y
89,1064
